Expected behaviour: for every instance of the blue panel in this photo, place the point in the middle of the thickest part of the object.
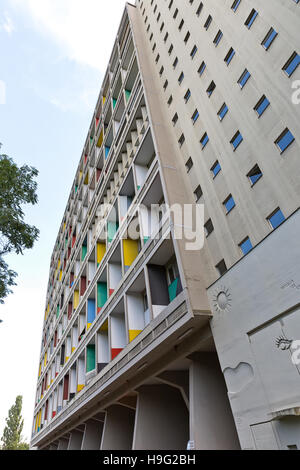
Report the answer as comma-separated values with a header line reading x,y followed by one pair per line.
x,y
277,219
91,312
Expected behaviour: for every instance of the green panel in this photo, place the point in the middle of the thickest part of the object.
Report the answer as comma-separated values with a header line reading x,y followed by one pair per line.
x,y
173,290
127,94
114,102
90,358
76,189
57,312
112,228
84,251
102,294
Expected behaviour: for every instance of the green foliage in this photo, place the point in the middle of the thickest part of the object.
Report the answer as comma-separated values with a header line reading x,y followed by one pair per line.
x,y
11,438
17,188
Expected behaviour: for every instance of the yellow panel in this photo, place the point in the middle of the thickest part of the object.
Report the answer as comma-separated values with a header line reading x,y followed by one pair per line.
x,y
131,251
104,99
58,264
101,250
89,326
104,327
80,175
86,181
133,334
100,140
67,358
40,419
45,360
40,370
60,275
73,349
76,299
80,387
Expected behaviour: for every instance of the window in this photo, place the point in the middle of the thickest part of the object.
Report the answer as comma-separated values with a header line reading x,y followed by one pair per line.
x,y
170,100
187,95
211,89
202,68
215,169
195,116
181,77
262,105
175,63
218,38
291,65
170,49
194,51
208,22
181,140
187,37
229,56
229,204
246,246
208,227
285,140
189,165
175,119
198,193
244,78
204,140
269,38
199,9
276,218
254,175
235,5
223,111
236,140
181,25
250,20
221,268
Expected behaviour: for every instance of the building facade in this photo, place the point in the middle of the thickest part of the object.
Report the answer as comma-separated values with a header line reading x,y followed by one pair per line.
x,y
149,343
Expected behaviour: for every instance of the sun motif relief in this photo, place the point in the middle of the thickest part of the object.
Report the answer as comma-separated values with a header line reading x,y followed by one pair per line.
x,y
222,300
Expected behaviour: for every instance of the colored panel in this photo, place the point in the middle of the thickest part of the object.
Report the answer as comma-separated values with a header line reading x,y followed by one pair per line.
x,y
57,311
79,388
127,94
114,102
101,250
112,228
91,312
76,299
173,290
115,352
104,327
84,252
107,150
66,388
82,285
131,251
101,295
100,140
133,334
90,358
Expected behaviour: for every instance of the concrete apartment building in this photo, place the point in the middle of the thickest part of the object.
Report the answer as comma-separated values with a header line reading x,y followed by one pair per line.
x,y
147,344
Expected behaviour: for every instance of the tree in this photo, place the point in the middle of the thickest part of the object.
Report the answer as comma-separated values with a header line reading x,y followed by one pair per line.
x,y
17,187
11,437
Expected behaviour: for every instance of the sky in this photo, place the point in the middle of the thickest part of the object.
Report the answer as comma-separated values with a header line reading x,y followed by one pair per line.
x,y
54,54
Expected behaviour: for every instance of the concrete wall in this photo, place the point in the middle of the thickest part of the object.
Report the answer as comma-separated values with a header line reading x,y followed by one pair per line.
x,y
92,435
256,306
118,428
211,421
162,420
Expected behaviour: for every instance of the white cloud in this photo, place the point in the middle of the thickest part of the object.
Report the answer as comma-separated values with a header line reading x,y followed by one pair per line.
x,y
85,29
6,24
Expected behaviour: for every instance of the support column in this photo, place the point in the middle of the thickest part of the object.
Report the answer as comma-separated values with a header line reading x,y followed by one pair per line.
x,y
63,443
212,425
162,419
118,428
75,440
92,435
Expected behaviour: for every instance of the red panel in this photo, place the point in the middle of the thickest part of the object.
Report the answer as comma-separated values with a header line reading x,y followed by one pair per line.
x,y
71,279
55,339
115,352
53,414
73,240
99,310
70,310
69,252
66,388
98,174
111,291
46,411
82,285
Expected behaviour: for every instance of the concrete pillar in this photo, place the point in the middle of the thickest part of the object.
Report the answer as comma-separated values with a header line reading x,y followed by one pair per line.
x,y
63,444
162,419
75,440
92,435
211,420
118,428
